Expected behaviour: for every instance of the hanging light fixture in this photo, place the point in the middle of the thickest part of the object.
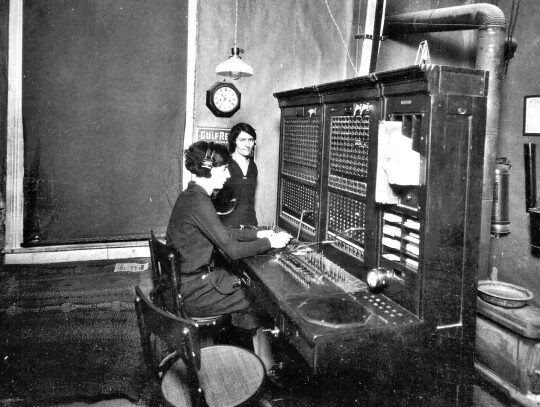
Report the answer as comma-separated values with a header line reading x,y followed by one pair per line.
x,y
234,67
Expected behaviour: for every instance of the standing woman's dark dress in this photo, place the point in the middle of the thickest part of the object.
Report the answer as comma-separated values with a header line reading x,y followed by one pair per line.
x,y
243,189
195,230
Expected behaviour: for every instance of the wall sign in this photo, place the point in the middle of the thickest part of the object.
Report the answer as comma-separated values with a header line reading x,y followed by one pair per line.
x,y
531,115
215,134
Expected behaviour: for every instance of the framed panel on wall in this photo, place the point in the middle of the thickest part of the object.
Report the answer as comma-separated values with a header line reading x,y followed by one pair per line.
x,y
531,115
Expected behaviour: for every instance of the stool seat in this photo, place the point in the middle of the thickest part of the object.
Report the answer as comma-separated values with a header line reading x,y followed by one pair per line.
x,y
228,375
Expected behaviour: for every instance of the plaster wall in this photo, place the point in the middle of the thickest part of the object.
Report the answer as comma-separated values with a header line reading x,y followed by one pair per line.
x,y
289,44
512,254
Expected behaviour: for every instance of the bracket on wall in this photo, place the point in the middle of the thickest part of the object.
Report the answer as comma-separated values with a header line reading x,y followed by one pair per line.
x,y
422,55
363,37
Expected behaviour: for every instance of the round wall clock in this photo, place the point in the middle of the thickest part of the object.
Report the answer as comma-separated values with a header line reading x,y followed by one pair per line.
x,y
223,99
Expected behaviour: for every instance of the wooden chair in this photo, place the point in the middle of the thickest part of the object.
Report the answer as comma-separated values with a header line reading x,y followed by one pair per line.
x,y
166,278
189,374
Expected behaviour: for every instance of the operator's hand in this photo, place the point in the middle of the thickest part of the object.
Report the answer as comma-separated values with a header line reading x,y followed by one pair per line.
x,y
265,233
279,240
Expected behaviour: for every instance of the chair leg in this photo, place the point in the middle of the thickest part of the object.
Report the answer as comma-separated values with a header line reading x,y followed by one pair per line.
x,y
263,348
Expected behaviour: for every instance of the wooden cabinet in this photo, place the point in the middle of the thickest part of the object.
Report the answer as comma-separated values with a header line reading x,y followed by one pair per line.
x,y
398,154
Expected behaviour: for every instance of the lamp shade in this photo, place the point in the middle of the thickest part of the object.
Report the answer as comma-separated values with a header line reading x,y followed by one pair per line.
x,y
234,67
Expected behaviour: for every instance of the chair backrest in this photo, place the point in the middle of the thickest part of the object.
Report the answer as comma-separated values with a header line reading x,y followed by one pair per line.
x,y
180,337
166,276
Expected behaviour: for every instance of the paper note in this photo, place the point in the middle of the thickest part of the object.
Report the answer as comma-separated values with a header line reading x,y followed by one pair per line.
x,y
131,267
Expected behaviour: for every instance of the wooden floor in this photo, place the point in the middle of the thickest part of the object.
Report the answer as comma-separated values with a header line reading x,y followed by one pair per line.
x,y
106,403
483,397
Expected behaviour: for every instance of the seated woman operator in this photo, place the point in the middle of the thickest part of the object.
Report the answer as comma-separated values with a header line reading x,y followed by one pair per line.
x,y
196,230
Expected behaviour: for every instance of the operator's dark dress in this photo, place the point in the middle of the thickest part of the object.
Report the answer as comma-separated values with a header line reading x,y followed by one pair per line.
x,y
243,189
195,230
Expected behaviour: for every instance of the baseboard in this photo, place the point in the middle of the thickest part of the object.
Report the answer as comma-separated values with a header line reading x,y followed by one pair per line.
x,y
81,252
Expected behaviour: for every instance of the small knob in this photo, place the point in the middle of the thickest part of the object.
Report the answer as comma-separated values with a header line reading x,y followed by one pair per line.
x,y
380,277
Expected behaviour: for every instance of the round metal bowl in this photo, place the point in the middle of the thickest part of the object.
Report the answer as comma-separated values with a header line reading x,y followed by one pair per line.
x,y
503,294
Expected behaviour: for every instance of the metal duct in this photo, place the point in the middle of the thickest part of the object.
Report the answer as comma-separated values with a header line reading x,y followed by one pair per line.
x,y
490,22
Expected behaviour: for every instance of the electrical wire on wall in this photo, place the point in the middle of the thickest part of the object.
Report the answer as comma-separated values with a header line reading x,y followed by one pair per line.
x,y
510,46
342,39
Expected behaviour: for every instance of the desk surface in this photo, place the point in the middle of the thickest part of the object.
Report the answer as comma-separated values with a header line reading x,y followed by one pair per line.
x,y
331,322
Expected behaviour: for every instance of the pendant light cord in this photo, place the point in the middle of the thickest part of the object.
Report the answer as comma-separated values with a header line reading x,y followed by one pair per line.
x,y
235,24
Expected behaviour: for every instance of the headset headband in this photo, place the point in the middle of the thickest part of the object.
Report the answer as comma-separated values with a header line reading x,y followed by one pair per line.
x,y
207,161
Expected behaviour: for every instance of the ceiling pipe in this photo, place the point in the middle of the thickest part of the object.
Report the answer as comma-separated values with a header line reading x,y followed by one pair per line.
x,y
490,22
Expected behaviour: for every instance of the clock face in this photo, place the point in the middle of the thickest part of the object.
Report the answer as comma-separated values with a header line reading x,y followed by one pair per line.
x,y
225,99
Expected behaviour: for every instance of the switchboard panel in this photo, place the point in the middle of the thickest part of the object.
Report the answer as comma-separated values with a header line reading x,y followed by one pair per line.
x,y
301,156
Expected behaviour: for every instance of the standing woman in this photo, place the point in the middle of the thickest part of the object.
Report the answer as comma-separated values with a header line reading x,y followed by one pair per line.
x,y
243,181
196,231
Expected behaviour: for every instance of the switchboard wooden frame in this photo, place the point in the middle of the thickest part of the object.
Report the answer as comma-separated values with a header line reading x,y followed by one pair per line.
x,y
449,105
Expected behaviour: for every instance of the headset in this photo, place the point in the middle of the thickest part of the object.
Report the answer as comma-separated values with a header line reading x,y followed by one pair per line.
x,y
207,161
